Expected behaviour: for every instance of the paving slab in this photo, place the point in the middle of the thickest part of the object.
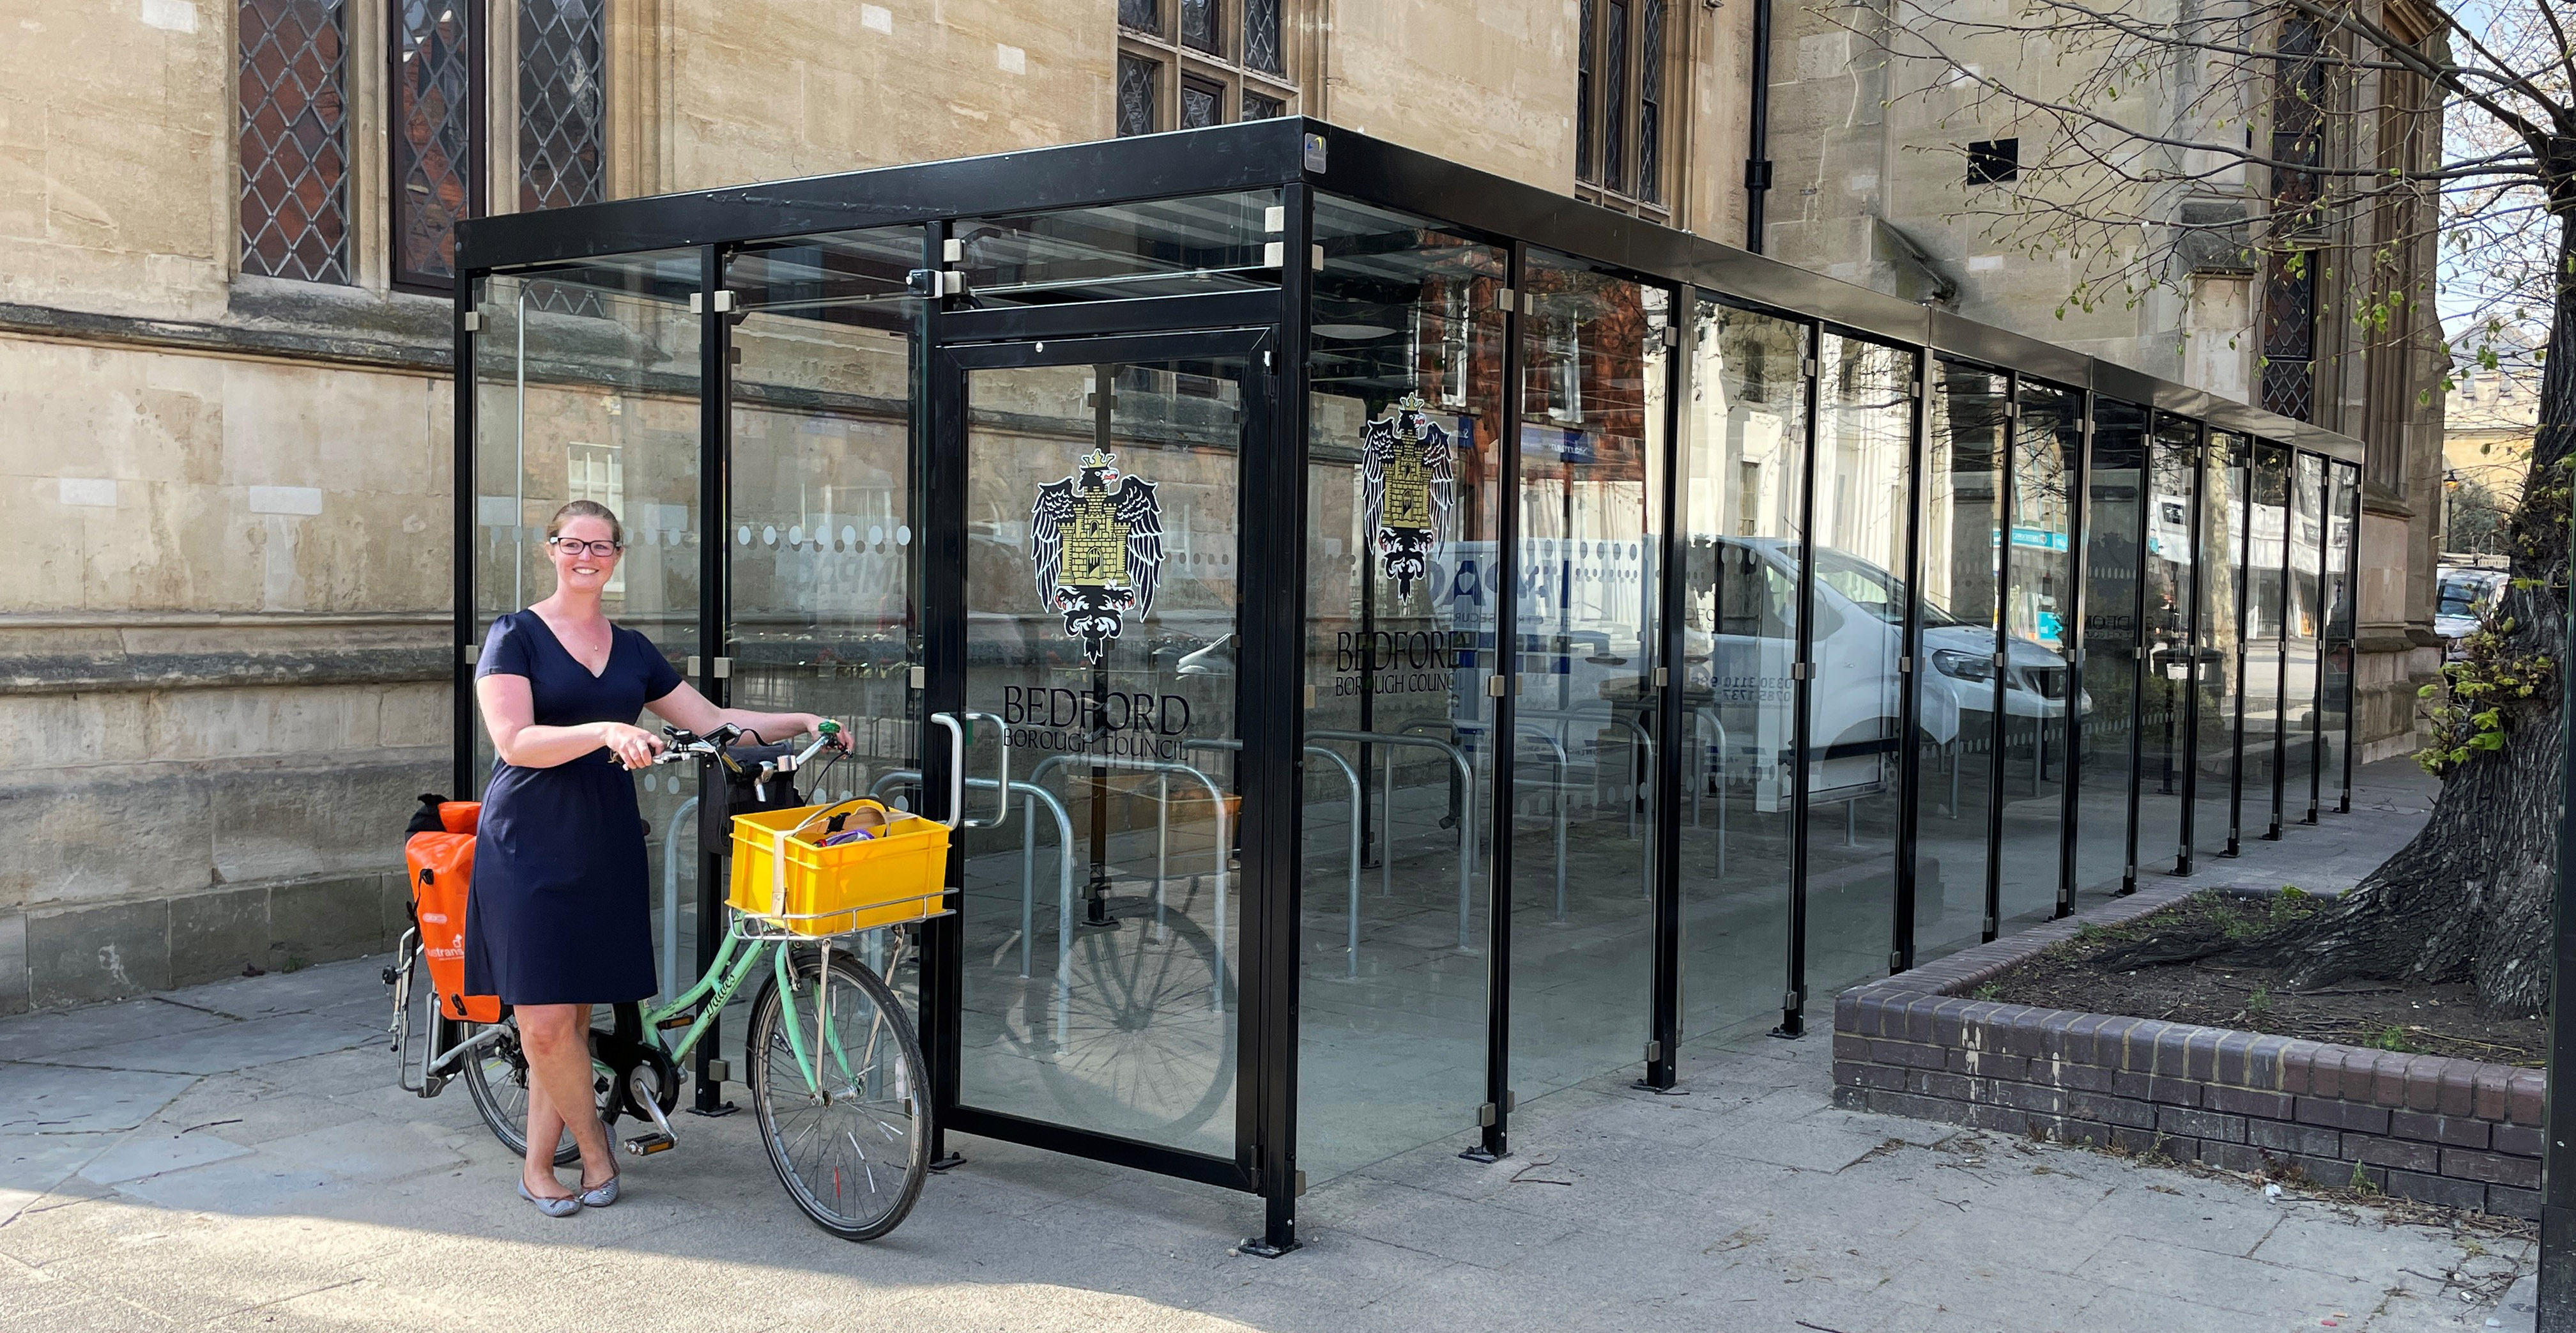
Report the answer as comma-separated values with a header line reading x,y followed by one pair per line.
x,y
226,1045
52,1099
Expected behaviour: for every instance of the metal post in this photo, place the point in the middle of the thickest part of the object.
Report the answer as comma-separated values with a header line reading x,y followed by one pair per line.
x,y
1793,1018
715,423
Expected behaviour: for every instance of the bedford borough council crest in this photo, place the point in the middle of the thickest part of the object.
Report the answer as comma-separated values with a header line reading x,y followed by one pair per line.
x,y
1096,538
1408,475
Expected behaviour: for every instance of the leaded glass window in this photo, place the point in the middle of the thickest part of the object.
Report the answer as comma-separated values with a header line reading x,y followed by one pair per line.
x,y
436,159
1261,40
1583,81
1189,64
1199,25
1614,99
1622,85
563,104
1650,102
1202,104
1136,94
292,69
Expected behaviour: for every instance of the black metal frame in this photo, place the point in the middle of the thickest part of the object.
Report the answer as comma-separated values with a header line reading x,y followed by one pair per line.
x,y
1300,158
477,166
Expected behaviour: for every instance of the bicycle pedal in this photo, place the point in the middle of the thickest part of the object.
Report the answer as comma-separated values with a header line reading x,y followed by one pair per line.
x,y
675,1022
645,1145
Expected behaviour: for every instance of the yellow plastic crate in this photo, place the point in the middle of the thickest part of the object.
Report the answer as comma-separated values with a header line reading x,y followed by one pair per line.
x,y
897,876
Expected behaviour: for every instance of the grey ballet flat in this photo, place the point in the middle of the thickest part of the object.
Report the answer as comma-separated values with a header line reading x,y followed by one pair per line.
x,y
563,1207
600,1196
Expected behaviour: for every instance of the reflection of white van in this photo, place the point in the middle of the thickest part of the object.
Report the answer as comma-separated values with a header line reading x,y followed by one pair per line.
x,y
1741,668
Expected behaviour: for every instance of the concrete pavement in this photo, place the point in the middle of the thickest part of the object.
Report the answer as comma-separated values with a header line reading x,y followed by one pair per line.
x,y
235,1156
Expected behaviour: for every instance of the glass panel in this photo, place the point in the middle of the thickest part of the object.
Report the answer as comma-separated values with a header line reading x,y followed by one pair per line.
x,y
1137,79
1141,15
1591,487
2222,651
1864,421
1957,689
2299,721
1739,636
2039,595
1163,247
294,148
1405,415
1258,107
563,103
2164,741
2110,648
825,561
1261,38
2266,609
432,135
603,407
1102,920
1199,27
2334,697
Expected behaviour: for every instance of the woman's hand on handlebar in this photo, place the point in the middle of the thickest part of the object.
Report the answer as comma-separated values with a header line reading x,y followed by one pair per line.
x,y
837,738
633,746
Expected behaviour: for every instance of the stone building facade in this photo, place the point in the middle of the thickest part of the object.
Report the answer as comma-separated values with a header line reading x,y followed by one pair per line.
x,y
223,358
1889,168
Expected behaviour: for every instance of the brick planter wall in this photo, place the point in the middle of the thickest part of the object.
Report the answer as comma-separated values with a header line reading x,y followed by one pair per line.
x,y
2456,1132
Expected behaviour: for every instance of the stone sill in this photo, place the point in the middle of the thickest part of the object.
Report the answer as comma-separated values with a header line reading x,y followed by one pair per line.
x,y
2462,1133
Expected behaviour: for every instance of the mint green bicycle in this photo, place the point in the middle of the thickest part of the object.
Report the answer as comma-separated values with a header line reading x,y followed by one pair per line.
x,y
838,1084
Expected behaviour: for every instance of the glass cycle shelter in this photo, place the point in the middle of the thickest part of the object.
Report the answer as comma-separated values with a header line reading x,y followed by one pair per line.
x,y
1399,643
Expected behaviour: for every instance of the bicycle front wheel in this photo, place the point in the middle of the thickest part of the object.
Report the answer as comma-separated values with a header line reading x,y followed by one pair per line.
x,y
852,1144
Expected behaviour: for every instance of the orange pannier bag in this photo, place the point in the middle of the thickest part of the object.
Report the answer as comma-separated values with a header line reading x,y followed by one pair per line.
x,y
442,869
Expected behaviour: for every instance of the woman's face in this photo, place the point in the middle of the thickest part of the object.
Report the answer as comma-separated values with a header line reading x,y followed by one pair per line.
x,y
577,550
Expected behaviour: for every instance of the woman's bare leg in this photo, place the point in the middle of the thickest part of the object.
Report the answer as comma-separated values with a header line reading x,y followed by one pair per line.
x,y
556,1038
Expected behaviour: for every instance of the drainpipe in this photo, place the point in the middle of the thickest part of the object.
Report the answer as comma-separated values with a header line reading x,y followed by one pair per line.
x,y
1757,146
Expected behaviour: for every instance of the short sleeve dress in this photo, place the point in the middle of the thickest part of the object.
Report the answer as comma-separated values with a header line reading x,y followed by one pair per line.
x,y
559,912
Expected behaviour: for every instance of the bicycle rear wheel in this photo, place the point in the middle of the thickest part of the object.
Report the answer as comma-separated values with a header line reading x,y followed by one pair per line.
x,y
496,1075
853,1151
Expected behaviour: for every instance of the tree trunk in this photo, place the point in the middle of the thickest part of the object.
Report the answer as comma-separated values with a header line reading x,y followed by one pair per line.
x,y
2469,898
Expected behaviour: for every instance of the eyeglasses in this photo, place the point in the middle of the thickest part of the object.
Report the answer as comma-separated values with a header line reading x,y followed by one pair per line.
x,y
577,546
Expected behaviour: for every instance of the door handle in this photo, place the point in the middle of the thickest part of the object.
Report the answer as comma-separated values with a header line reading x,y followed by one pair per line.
x,y
1001,733
956,767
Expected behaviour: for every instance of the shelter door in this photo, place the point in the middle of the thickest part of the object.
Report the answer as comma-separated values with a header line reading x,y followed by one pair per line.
x,y
1092,609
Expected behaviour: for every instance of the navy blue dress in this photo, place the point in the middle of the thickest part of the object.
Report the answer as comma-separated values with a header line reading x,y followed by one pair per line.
x,y
559,912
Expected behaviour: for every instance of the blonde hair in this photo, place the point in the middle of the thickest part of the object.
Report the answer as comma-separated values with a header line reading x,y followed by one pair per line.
x,y
586,509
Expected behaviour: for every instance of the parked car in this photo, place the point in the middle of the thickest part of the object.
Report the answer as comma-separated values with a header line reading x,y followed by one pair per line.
x,y
2466,594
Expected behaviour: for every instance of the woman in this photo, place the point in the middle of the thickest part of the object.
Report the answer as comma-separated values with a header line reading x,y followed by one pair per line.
x,y
557,921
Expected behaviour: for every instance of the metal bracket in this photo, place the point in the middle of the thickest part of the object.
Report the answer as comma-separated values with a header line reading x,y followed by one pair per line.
x,y
1905,666
1672,335
1895,960
1654,1051
952,251
1485,1116
1498,685
1789,999
1274,219
724,666
1807,367
1800,671
472,653
1503,297
917,677
1274,254
1663,677
473,321
1316,257
1990,925
698,302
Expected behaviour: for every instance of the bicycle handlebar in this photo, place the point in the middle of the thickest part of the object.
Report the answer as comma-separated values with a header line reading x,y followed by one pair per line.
x,y
718,744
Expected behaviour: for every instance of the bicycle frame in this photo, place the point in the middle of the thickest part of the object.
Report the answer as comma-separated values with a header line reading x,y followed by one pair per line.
x,y
724,978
